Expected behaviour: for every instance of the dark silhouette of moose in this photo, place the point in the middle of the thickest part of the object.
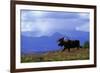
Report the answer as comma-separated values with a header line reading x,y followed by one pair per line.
x,y
67,44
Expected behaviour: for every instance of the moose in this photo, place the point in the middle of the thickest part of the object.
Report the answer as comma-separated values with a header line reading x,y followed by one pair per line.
x,y
67,44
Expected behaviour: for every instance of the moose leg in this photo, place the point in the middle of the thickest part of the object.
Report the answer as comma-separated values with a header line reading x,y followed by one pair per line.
x,y
68,49
77,48
63,49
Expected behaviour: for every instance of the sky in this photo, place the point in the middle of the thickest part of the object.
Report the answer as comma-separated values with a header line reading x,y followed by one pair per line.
x,y
46,23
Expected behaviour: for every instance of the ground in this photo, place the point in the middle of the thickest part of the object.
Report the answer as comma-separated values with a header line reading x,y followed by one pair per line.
x,y
74,54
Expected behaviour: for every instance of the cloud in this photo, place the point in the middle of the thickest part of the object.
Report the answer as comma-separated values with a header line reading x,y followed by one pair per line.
x,y
84,27
46,23
84,15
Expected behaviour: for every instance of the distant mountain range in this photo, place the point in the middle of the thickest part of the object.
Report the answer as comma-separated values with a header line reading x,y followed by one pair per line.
x,y
31,44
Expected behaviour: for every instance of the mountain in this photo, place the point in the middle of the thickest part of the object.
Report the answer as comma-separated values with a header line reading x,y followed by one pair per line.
x,y
40,44
49,43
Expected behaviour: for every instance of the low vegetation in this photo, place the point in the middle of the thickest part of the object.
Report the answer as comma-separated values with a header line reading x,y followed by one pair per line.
x,y
74,54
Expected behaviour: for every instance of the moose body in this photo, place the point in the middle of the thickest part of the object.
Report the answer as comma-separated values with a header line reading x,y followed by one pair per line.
x,y
67,44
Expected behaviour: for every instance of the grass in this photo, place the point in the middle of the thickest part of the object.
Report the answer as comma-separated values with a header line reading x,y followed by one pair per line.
x,y
74,54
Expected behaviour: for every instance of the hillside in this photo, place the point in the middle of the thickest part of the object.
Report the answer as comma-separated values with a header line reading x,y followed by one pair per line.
x,y
81,54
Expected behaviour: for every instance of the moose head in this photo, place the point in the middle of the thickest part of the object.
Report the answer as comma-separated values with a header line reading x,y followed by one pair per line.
x,y
61,40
